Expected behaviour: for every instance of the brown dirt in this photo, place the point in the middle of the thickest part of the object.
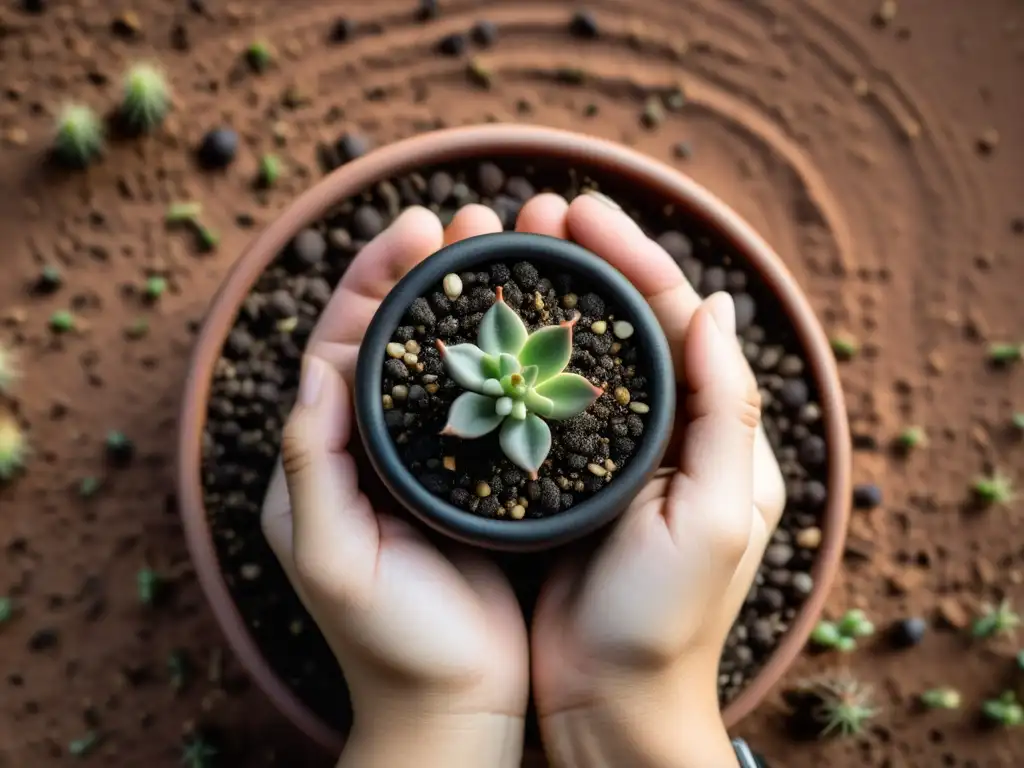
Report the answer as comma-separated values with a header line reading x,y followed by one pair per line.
x,y
852,146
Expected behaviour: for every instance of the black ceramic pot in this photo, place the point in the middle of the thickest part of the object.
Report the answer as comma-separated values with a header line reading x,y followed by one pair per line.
x,y
552,255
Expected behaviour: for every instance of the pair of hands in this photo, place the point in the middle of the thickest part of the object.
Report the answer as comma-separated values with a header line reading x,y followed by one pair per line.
x,y
624,643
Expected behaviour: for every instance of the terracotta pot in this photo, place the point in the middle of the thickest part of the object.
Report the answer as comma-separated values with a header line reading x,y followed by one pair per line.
x,y
654,357
650,179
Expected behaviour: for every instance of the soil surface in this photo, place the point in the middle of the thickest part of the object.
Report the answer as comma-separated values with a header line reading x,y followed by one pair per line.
x,y
877,145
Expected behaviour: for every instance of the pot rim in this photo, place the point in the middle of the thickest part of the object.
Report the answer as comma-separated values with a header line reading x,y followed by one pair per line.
x,y
451,145
536,534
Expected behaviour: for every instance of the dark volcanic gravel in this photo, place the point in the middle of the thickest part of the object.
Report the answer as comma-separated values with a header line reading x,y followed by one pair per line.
x,y
255,383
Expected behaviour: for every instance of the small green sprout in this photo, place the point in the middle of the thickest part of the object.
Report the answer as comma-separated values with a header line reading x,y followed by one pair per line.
x,y
9,370
13,447
912,437
120,448
1004,354
85,745
841,706
994,489
62,321
186,212
179,669
208,238
80,136
998,620
844,347
855,624
260,55
515,381
941,698
155,287
146,98
826,634
88,486
49,280
149,585
270,171
1006,710
198,753
6,609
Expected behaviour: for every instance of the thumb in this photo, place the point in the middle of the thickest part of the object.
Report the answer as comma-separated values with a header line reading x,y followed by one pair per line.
x,y
714,487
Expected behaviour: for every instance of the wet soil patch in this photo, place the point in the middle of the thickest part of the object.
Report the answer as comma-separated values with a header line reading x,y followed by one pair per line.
x,y
587,451
256,378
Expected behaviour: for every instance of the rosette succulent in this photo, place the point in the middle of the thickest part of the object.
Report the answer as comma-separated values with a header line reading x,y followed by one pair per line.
x,y
515,380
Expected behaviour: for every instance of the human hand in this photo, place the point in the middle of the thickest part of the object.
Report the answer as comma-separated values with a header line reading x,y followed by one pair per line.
x,y
626,643
433,645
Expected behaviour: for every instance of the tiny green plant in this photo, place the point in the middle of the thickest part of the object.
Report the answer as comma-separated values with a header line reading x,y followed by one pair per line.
x,y
844,346
826,634
9,370
88,487
80,136
941,698
260,55
1005,710
842,635
6,609
85,745
996,488
185,212
198,753
997,620
842,706
515,380
13,447
155,287
208,238
148,583
146,97
1004,354
911,438
62,321
270,171
855,624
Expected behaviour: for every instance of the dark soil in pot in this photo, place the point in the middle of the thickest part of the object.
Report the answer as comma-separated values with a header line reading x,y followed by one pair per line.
x,y
587,450
256,378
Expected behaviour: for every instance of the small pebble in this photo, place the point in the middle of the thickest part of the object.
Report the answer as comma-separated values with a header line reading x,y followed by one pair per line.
x,y
453,44
218,148
485,33
412,346
621,395
622,329
309,247
778,555
483,490
802,583
569,300
597,469
399,392
637,407
867,496
395,350
452,285
367,222
387,401
906,633
448,462
809,538
410,359
584,25
599,327
518,512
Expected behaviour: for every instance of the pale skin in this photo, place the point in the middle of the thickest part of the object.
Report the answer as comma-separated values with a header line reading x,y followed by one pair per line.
x,y
624,646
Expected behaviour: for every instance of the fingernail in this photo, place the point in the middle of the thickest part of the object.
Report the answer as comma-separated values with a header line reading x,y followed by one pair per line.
x,y
604,199
311,383
723,312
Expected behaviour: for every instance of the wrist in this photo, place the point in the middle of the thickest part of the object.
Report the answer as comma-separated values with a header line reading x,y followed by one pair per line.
x,y
663,720
434,741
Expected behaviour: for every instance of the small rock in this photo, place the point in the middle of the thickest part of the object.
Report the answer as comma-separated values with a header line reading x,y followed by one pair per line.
x,y
395,350
621,395
676,244
483,490
485,33
802,583
778,555
342,30
637,407
43,639
746,309
599,327
867,496
813,450
453,44
597,470
452,285
653,114
351,146
518,512
309,247
809,538
367,222
218,148
908,632
584,25
428,10
622,329
794,393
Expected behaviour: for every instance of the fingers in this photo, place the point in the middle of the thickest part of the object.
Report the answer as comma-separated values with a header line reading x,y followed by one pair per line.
x,y
334,530
714,489
470,221
413,236
544,215
597,223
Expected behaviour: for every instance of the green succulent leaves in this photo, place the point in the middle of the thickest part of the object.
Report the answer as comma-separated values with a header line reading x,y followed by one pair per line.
x,y
514,379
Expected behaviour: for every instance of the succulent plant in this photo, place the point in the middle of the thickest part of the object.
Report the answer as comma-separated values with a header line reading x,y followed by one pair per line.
x,y
941,698
9,370
842,706
146,98
79,136
997,620
1005,710
996,488
515,380
13,447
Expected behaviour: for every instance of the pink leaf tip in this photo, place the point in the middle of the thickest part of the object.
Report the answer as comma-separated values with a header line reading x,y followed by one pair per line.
x,y
499,294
